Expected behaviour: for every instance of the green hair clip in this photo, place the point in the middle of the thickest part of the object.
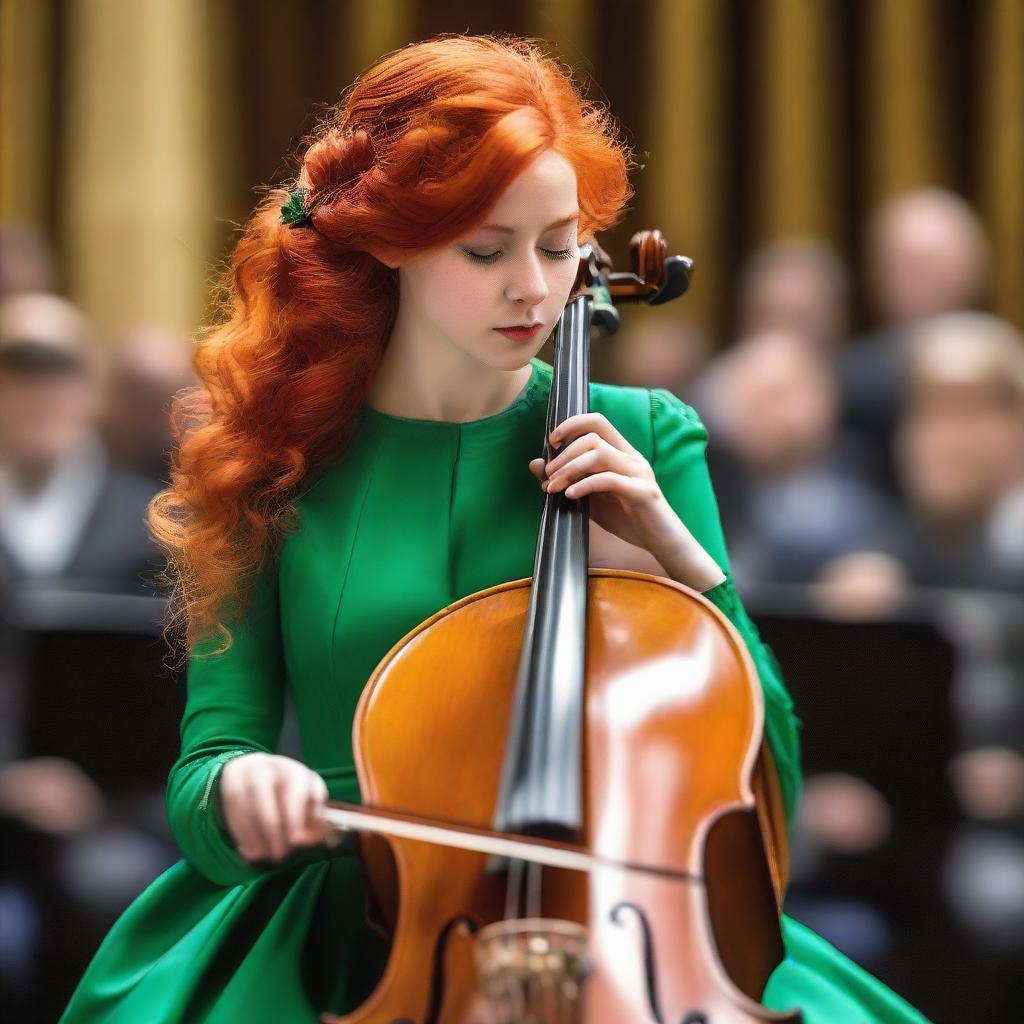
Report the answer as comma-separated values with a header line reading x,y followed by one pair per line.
x,y
294,212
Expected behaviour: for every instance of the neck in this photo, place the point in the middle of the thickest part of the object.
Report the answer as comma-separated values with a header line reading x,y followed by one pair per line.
x,y
427,378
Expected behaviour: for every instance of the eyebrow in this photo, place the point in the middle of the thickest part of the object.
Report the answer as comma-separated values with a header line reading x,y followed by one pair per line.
x,y
564,222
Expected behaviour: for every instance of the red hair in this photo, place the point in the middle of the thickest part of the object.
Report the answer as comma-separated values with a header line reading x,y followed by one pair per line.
x,y
417,152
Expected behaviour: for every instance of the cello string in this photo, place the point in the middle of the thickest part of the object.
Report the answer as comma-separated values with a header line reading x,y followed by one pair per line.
x,y
533,890
513,890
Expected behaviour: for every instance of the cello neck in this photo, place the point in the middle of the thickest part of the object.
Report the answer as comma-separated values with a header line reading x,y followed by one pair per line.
x,y
541,791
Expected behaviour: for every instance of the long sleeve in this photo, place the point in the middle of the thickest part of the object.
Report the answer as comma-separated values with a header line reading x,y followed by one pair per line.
x,y
680,466
235,706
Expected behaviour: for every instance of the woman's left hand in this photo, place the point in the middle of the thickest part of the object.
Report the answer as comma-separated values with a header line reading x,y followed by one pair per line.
x,y
625,498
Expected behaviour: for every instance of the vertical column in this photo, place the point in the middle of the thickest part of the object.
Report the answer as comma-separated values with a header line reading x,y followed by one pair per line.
x,y
141,151
26,128
682,180
377,28
797,119
1001,149
903,138
570,25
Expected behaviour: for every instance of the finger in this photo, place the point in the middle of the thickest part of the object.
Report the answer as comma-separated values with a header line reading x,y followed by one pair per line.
x,y
311,800
248,840
537,468
266,817
316,809
292,795
610,483
573,450
588,462
234,803
597,422
604,459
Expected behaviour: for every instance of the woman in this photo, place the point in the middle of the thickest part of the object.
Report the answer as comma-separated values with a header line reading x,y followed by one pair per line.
x,y
360,457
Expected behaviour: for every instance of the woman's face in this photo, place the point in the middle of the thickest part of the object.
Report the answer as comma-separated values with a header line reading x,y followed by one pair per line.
x,y
515,269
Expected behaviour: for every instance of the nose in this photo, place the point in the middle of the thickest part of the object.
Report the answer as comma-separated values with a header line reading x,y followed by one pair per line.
x,y
527,285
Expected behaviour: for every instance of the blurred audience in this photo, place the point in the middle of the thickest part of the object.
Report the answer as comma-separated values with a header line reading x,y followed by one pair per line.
x,y
792,489
25,261
926,255
660,350
148,367
797,286
68,520
959,447
65,513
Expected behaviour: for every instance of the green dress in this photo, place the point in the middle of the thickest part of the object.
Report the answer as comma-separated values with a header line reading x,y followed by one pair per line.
x,y
419,514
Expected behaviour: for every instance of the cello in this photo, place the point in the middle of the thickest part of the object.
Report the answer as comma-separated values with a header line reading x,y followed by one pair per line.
x,y
605,842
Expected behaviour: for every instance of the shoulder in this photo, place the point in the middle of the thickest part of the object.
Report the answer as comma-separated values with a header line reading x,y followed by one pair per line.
x,y
651,419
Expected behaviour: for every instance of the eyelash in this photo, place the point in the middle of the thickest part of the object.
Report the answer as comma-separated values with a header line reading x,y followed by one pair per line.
x,y
491,257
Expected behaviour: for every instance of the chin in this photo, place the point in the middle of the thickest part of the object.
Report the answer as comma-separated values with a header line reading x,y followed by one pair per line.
x,y
509,361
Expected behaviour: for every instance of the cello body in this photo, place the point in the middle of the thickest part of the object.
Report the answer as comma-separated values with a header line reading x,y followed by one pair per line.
x,y
680,922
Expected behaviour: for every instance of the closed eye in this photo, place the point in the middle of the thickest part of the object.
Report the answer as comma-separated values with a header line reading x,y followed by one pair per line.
x,y
492,257
559,254
483,257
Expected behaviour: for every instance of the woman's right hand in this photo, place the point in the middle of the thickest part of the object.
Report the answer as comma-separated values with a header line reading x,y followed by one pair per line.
x,y
272,804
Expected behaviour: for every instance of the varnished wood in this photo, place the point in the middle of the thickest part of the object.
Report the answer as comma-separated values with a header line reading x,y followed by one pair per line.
x,y
673,731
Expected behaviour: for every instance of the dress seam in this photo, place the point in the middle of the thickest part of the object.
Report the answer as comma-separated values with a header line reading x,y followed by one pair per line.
x,y
348,562
451,511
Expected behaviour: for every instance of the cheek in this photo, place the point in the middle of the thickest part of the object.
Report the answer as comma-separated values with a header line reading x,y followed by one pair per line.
x,y
454,291
563,278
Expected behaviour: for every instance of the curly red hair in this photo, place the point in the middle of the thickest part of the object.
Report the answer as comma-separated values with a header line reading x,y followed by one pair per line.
x,y
416,153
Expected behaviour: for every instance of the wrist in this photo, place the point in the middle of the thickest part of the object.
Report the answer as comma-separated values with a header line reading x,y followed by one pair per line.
x,y
684,559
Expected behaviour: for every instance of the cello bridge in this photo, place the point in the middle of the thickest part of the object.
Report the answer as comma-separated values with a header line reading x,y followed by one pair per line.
x,y
532,971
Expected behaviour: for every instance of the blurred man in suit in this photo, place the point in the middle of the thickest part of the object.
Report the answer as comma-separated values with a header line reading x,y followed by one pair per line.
x,y
68,520
65,513
927,255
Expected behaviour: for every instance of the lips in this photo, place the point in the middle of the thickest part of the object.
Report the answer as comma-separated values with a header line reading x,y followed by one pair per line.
x,y
519,333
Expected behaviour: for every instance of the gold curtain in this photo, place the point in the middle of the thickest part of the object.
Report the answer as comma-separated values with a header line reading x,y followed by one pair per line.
x,y
138,167
903,147
26,126
795,122
1001,136
687,112
134,131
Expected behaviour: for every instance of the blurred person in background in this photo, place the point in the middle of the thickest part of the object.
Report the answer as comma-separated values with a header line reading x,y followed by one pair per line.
x,y
148,367
26,264
800,286
660,350
960,453
792,486
959,448
67,519
927,254
960,457
796,286
65,513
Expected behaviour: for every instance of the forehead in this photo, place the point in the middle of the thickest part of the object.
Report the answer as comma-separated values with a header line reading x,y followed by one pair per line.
x,y
542,193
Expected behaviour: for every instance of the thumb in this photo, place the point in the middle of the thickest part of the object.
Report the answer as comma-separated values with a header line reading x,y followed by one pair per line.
x,y
537,469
